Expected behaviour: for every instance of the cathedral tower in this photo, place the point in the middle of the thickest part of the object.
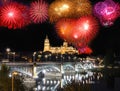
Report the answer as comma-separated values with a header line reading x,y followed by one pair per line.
x,y
46,44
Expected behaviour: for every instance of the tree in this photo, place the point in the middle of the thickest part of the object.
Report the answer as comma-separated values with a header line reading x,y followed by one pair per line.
x,y
6,81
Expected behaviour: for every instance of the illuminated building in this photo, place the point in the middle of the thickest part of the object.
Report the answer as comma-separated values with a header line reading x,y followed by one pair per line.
x,y
63,49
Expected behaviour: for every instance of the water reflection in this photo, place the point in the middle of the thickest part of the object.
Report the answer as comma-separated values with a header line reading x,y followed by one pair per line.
x,y
51,84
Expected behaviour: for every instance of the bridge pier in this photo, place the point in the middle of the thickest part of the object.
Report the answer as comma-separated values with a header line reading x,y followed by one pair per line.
x,y
34,75
75,67
62,71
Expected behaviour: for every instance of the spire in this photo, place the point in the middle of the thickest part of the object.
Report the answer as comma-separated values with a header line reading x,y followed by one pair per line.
x,y
46,44
46,37
65,44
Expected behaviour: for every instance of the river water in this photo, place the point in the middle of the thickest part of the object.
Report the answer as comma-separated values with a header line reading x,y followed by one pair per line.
x,y
100,80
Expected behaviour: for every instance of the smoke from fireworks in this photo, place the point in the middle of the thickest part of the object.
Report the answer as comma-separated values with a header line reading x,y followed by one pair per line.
x,y
107,12
39,11
14,15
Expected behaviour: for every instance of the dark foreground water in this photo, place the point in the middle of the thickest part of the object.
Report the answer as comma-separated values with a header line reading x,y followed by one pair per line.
x,y
100,80
109,82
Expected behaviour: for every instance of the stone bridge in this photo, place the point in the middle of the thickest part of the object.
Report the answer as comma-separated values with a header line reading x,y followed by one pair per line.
x,y
48,68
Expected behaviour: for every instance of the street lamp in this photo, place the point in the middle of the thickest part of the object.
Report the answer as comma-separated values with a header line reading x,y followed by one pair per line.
x,y
8,51
13,74
34,54
13,56
46,56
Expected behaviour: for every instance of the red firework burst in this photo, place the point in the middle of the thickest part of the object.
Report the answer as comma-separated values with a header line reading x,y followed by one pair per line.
x,y
14,15
64,27
85,50
39,11
85,29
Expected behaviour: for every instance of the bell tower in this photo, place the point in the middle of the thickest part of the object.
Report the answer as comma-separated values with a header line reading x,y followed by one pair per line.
x,y
65,44
46,44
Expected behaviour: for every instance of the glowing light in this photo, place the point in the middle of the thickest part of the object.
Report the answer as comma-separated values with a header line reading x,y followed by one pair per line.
x,y
35,73
64,27
74,31
14,15
86,26
64,7
69,9
60,9
86,29
75,36
44,71
107,11
39,11
84,50
10,14
82,8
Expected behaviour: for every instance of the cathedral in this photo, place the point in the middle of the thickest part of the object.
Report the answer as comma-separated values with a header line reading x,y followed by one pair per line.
x,y
63,49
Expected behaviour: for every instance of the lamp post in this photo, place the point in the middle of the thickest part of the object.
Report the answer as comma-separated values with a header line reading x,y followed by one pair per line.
x,y
13,56
8,51
34,54
13,74
46,57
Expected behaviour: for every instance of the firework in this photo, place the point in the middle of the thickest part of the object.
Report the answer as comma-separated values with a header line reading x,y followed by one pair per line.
x,y
83,7
39,11
14,15
60,9
79,31
85,29
64,27
107,12
69,9
84,50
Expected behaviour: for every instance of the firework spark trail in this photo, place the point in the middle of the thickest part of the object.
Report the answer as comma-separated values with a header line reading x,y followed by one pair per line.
x,y
60,9
39,11
14,15
107,11
74,31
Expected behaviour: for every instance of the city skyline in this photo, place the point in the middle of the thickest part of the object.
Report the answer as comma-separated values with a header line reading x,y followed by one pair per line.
x,y
31,37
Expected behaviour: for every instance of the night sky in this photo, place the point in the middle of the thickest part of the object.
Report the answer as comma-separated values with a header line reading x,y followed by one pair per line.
x,y
31,37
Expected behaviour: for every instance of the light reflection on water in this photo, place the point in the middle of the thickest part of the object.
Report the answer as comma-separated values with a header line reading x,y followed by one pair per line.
x,y
52,83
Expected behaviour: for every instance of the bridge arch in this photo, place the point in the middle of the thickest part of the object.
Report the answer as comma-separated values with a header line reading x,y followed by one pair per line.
x,y
21,71
68,67
48,69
